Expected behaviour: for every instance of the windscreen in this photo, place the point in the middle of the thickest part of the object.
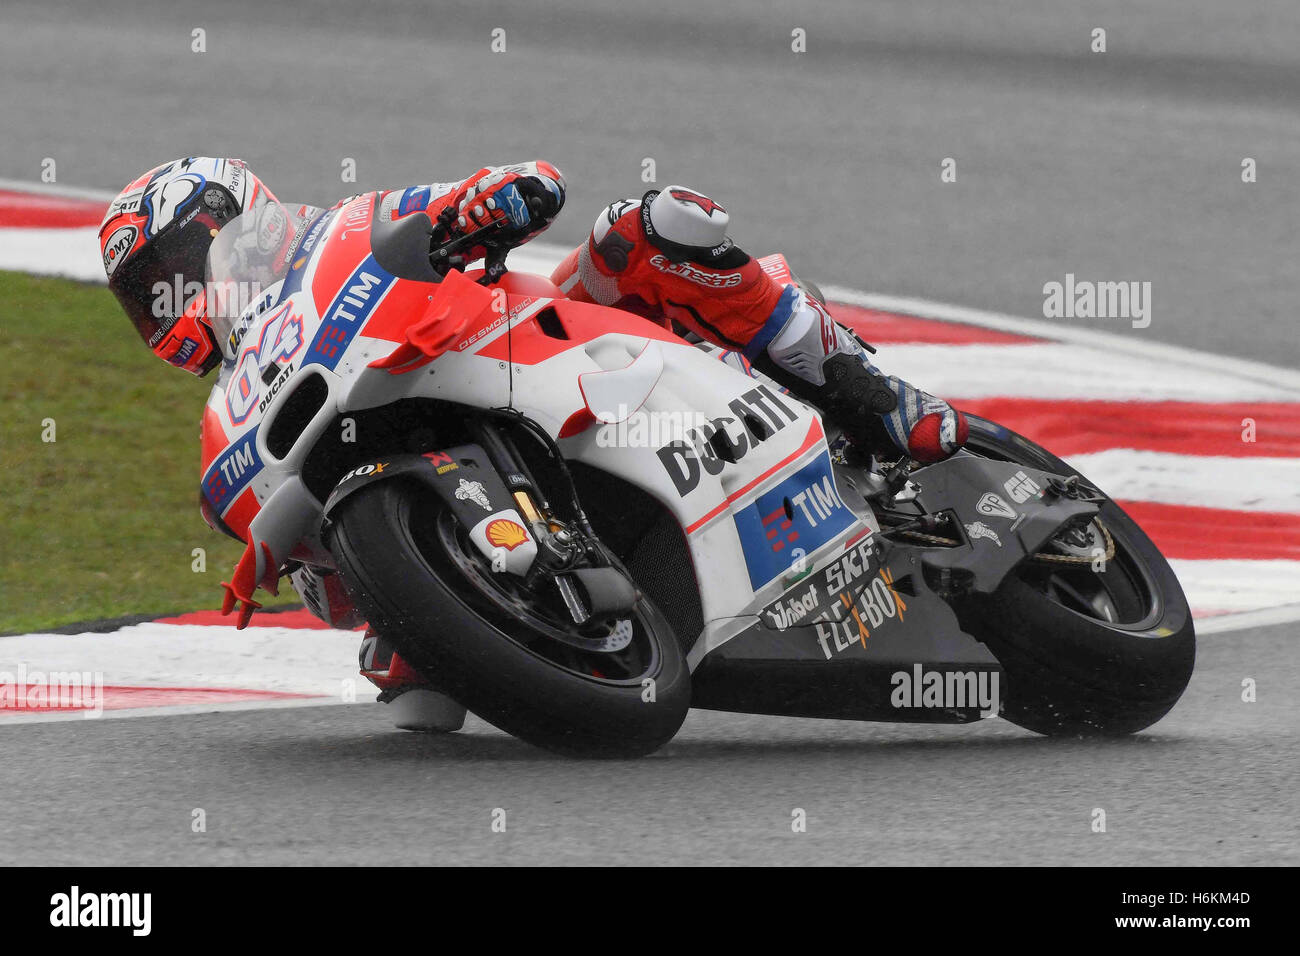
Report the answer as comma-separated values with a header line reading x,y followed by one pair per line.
x,y
249,254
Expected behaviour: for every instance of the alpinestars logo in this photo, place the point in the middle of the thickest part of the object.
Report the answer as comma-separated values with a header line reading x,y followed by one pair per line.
x,y
714,280
704,202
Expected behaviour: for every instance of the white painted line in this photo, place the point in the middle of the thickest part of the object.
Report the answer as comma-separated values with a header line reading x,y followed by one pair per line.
x,y
55,189
1264,617
1061,371
49,717
1234,484
1238,584
1110,343
290,660
68,253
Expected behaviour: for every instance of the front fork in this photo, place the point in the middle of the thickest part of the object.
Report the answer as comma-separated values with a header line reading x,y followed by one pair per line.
x,y
590,580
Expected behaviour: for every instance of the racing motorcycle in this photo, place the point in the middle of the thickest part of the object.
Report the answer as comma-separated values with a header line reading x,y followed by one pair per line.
x,y
578,524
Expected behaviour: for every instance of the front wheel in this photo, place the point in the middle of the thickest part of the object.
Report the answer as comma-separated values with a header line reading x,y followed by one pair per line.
x,y
1087,647
511,656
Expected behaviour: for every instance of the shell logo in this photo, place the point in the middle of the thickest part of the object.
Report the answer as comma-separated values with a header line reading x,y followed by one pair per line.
x,y
505,533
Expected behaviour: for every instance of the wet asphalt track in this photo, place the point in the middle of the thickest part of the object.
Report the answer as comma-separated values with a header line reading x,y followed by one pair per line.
x,y
1214,782
1117,167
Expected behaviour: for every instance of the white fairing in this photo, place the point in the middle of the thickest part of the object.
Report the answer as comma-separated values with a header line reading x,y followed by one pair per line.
x,y
758,503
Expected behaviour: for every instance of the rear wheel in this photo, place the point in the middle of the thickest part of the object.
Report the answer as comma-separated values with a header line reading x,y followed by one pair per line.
x,y
512,656
1087,647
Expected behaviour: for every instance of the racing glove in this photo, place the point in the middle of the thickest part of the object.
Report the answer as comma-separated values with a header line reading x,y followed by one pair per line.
x,y
525,197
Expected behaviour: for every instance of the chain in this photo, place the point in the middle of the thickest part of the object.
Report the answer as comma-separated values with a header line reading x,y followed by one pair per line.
x,y
1039,556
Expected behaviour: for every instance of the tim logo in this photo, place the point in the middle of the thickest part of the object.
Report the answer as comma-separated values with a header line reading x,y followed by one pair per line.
x,y
349,311
805,509
234,469
780,529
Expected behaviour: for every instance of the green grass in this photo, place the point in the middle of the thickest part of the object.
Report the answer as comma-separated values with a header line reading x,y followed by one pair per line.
x,y
102,521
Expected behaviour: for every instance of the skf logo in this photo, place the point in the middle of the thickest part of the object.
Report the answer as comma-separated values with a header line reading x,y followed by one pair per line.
x,y
1020,487
712,448
849,621
504,533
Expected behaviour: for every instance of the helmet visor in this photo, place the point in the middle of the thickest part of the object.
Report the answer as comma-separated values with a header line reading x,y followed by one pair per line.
x,y
155,285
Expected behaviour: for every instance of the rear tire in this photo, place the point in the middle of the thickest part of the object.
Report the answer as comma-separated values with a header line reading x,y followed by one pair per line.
x,y
391,545
1069,672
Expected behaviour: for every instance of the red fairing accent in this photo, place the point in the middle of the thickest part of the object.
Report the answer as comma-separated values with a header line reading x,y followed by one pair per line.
x,y
241,514
525,284
577,423
436,332
343,613
529,345
239,589
347,246
212,439
271,576
397,673
404,304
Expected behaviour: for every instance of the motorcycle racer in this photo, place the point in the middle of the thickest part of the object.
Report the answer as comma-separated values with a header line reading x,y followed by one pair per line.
x,y
666,256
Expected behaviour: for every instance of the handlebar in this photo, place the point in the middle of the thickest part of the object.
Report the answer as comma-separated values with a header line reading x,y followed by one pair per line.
x,y
445,244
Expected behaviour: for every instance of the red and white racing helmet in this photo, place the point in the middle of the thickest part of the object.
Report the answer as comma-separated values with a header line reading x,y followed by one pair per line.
x,y
155,240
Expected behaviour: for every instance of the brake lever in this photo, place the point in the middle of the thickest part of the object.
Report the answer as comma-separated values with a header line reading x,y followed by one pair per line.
x,y
443,255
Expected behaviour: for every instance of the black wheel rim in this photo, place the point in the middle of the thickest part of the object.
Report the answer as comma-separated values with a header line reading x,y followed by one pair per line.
x,y
1122,595
500,601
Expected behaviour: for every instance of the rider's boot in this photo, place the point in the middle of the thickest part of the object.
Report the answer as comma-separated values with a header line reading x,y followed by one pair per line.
x,y
825,364
414,703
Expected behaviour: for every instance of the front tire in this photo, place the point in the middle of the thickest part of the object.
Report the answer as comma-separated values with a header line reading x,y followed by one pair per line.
x,y
409,568
1083,652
